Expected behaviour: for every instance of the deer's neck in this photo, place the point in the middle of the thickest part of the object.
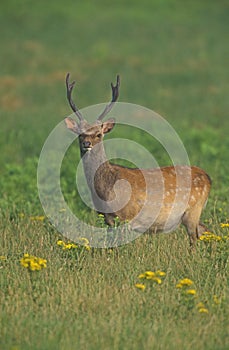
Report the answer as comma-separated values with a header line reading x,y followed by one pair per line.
x,y
97,169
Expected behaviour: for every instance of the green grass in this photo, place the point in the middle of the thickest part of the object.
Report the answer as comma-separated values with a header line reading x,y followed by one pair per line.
x,y
172,58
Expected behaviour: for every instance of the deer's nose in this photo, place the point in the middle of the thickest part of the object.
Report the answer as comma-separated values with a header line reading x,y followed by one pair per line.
x,y
86,144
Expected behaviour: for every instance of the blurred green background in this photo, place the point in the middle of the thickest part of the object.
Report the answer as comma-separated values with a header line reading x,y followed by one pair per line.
x,y
171,56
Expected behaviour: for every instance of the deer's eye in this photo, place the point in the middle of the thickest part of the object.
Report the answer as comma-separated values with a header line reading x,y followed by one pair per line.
x,y
99,136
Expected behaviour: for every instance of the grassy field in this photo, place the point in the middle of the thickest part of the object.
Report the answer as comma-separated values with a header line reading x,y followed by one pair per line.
x,y
172,58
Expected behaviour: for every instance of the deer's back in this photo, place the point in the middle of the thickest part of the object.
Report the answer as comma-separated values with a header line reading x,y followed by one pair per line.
x,y
160,195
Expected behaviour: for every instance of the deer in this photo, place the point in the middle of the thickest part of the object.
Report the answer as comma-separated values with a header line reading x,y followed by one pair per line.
x,y
153,200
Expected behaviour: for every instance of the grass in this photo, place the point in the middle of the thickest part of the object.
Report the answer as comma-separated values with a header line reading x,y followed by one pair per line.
x,y
172,58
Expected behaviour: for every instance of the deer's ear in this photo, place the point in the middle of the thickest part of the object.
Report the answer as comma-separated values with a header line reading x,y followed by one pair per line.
x,y
108,125
72,125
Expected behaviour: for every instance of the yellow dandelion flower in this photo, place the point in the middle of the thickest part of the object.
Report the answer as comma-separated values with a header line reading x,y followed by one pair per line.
x,y
160,273
69,246
41,262
185,282
208,236
33,263
24,263
203,310
66,246
149,274
200,305
85,243
2,257
216,238
140,286
84,240
157,279
203,238
224,225
179,285
34,266
191,291
37,218
216,300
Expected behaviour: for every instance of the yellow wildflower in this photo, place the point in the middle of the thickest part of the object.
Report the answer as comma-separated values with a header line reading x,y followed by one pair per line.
x,y
157,279
224,225
149,274
200,305
160,273
154,276
216,300
69,246
184,283
208,236
33,263
203,310
37,218
140,286
84,240
2,257
66,246
191,291
85,243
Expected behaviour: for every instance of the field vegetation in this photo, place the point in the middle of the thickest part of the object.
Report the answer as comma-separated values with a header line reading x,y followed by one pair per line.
x,y
152,293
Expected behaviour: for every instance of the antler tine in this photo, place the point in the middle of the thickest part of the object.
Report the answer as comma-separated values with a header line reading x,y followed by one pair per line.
x,y
70,87
115,94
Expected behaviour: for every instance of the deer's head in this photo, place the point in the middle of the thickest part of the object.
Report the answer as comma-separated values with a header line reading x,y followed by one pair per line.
x,y
90,134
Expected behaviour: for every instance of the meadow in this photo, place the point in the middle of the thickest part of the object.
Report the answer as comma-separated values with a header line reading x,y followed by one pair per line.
x,y
152,293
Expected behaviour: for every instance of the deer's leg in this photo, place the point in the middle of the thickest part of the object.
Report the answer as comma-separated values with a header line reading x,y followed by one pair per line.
x,y
201,229
109,219
190,220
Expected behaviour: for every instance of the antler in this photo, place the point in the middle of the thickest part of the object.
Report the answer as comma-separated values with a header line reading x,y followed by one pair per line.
x,y
70,87
115,94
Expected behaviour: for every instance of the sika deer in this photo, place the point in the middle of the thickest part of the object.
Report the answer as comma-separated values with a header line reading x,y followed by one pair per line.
x,y
156,199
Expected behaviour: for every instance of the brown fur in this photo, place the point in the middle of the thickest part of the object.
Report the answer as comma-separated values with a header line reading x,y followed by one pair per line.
x,y
170,195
